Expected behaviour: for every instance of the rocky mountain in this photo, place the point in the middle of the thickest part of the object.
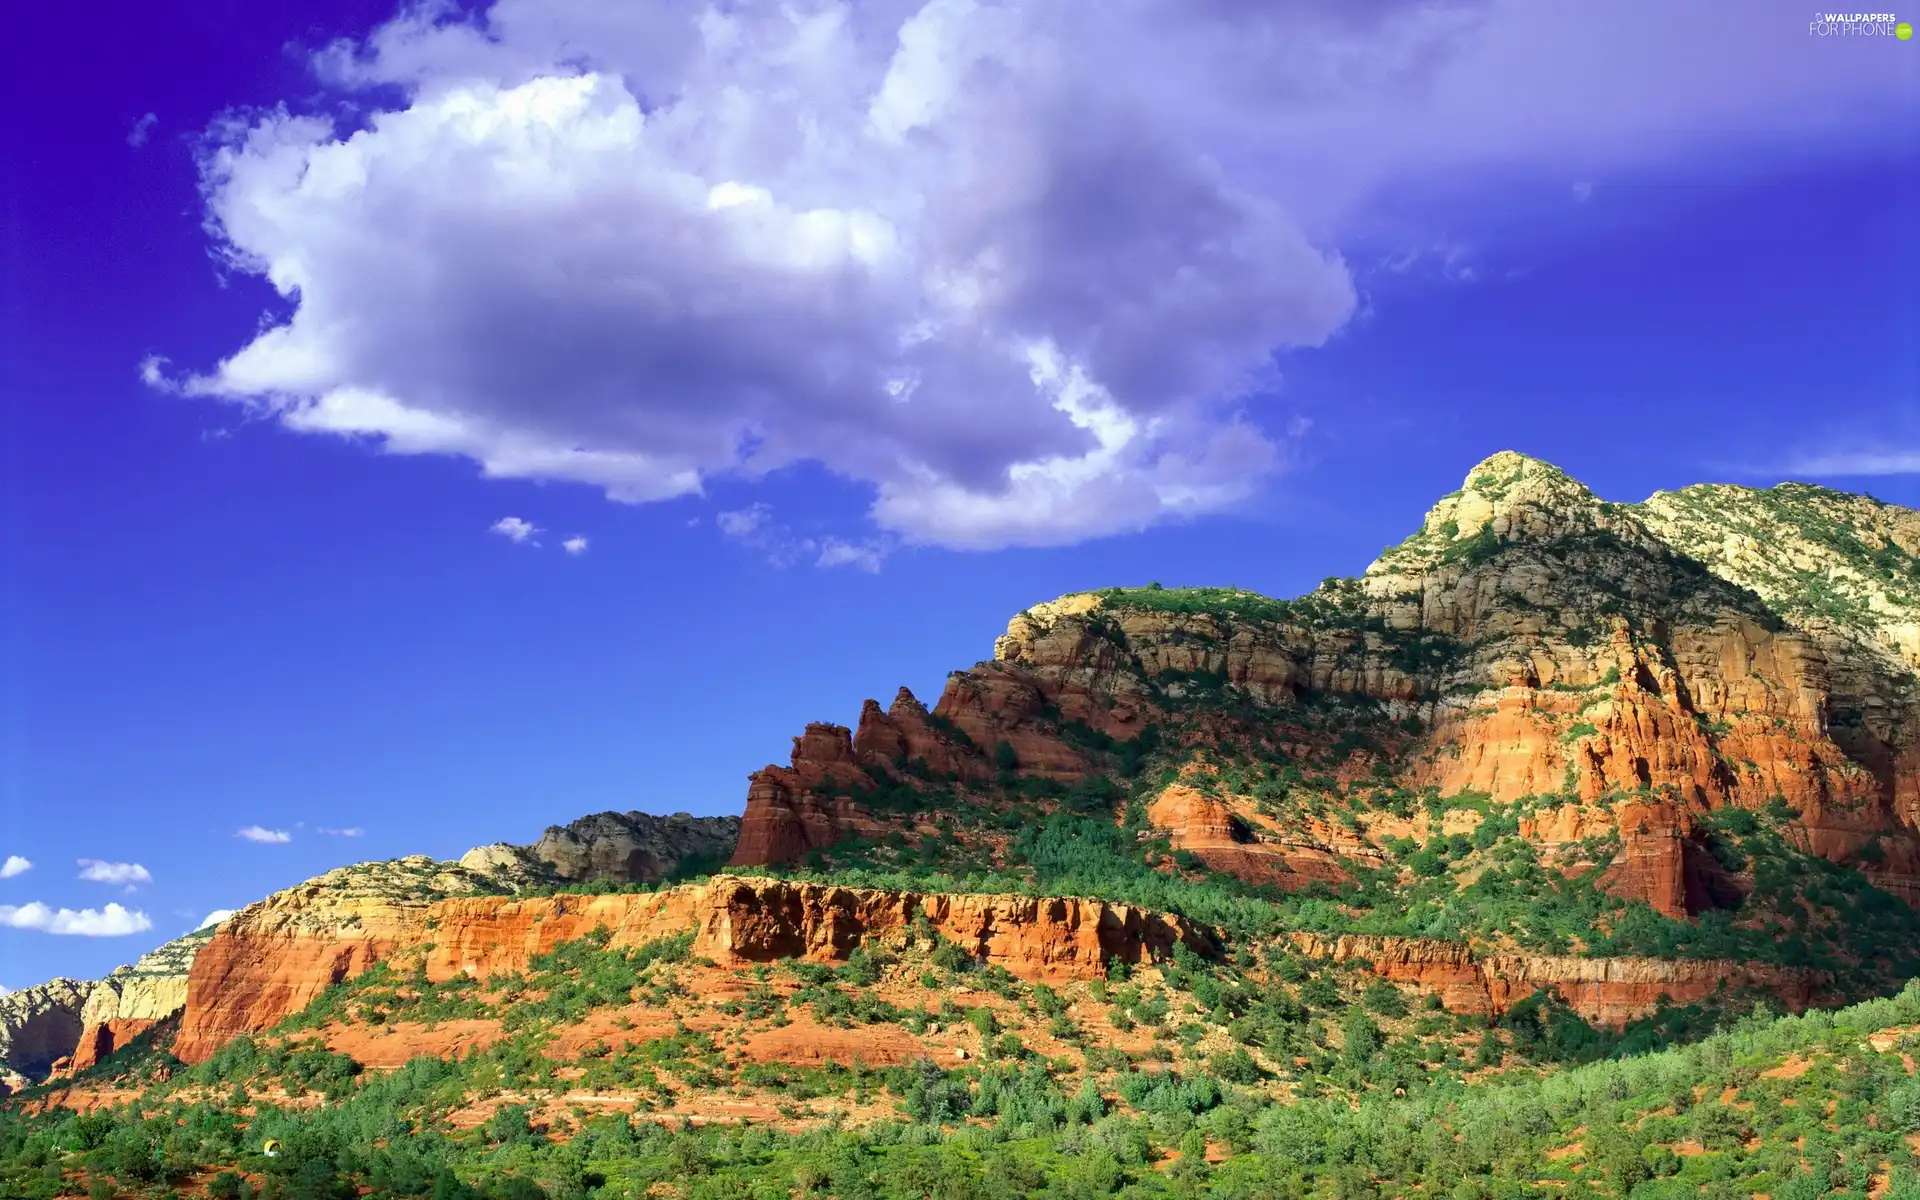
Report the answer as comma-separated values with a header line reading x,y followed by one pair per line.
x,y
1617,682
1183,888
632,847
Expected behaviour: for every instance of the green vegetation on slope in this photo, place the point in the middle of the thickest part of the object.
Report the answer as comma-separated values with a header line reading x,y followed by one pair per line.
x,y
1816,1105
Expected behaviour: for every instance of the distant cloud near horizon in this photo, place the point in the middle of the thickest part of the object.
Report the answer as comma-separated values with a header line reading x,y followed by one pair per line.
x,y
350,832
264,836
94,870
14,865
111,921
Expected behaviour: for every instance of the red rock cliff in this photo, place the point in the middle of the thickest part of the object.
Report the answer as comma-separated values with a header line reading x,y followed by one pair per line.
x,y
277,956
1608,991
1545,643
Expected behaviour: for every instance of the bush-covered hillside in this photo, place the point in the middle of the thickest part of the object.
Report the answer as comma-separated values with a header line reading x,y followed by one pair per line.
x,y
1273,1078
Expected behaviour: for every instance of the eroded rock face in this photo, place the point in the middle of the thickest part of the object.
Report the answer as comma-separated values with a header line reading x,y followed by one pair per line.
x,y
797,808
277,954
132,1000
275,957
1607,991
632,847
1546,643
40,1025
1242,844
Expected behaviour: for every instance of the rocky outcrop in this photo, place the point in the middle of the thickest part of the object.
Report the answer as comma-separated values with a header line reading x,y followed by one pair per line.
x,y
274,957
633,847
133,1000
1243,845
1607,991
807,805
40,1025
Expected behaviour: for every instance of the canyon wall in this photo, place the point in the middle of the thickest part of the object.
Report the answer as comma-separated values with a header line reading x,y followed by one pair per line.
x,y
132,1000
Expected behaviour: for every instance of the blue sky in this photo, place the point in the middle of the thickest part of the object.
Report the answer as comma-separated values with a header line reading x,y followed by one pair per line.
x,y
1290,273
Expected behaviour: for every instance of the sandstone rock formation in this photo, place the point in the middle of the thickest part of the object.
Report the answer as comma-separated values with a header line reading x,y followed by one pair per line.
x,y
1241,843
1545,643
275,956
40,1025
633,847
1608,991
132,1000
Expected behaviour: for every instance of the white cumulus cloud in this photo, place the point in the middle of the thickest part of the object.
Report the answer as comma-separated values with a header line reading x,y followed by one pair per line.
x,y
514,529
264,836
14,865
94,870
1019,269
111,921
214,918
575,545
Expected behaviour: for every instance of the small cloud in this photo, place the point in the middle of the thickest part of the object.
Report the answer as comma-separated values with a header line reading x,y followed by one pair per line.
x,y
867,556
353,831
214,918
265,837
1448,260
514,529
575,545
1582,191
743,523
95,870
142,129
111,921
755,528
15,865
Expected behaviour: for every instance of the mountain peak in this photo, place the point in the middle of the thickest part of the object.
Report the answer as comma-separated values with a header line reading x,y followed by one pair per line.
x,y
1506,497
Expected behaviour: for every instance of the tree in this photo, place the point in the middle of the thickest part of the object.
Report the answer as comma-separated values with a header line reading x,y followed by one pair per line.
x,y
1361,1035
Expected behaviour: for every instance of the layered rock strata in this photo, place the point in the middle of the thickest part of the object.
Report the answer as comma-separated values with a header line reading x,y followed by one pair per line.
x,y
40,1025
132,1000
273,958
1607,991
1651,659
